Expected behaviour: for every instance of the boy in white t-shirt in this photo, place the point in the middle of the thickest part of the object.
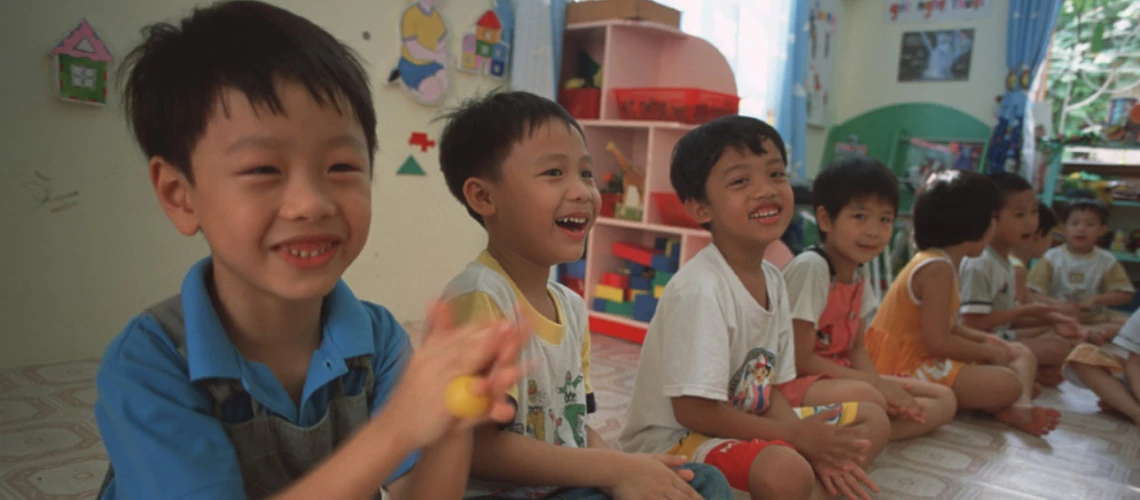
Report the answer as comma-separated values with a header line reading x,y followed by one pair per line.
x,y
722,337
1086,277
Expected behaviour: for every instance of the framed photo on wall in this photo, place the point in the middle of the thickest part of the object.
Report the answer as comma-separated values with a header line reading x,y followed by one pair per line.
x,y
931,56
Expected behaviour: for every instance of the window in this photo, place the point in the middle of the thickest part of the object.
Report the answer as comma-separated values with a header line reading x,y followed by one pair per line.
x,y
82,76
1094,58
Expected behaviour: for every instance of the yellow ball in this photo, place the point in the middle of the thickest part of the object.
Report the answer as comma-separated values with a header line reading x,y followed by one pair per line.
x,y
461,402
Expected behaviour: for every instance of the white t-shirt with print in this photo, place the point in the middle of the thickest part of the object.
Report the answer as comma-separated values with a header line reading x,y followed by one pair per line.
x,y
808,278
986,284
710,339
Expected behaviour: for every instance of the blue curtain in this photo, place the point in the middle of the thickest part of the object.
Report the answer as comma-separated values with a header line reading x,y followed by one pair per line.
x,y
1030,28
793,115
537,52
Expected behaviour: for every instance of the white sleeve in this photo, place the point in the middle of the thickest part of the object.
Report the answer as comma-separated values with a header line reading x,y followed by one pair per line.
x,y
694,345
976,291
808,280
785,370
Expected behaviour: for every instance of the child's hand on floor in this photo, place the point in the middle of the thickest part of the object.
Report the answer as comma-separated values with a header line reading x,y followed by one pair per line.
x,y
825,444
650,477
900,404
488,352
851,481
1037,309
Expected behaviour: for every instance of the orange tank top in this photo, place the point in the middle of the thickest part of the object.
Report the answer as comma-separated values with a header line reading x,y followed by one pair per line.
x,y
894,339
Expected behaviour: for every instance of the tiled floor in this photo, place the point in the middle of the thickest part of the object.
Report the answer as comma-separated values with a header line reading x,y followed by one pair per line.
x,y
50,448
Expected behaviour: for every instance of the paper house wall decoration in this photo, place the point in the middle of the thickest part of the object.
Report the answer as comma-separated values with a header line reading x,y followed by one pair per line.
x,y
81,62
488,29
485,50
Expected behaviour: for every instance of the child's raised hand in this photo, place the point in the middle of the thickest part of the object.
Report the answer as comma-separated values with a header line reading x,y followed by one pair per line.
x,y
824,443
851,481
900,403
487,353
1071,330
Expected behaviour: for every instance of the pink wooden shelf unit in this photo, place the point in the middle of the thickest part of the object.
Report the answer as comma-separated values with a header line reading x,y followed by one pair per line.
x,y
639,54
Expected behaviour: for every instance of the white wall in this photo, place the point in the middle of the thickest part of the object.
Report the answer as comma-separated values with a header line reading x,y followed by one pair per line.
x,y
70,279
866,72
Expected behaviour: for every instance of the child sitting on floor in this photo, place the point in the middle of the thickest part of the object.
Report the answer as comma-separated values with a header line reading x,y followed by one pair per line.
x,y
722,336
1038,244
915,332
1112,371
1085,278
856,201
989,290
519,165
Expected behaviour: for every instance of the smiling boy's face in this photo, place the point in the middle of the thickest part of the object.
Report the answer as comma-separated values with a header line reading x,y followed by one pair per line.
x,y
544,200
283,199
748,198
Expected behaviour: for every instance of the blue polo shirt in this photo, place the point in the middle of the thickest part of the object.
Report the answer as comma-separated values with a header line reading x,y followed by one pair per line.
x,y
157,423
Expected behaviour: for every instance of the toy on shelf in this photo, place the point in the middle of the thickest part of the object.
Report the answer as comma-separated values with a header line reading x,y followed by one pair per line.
x,y
635,289
1123,121
633,181
687,105
1119,241
582,95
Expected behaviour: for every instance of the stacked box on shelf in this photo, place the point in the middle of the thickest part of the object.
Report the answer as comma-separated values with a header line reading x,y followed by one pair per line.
x,y
634,290
573,275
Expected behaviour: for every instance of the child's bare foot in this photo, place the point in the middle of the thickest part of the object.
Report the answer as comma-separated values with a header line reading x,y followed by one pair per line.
x,y
1037,421
1049,376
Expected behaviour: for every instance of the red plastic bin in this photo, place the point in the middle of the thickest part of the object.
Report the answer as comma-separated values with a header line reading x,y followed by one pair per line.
x,y
673,211
582,104
688,105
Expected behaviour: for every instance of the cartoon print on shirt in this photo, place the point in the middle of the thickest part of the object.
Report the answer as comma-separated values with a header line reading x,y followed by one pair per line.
x,y
751,385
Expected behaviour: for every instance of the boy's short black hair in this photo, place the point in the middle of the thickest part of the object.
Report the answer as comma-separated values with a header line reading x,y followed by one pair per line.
x,y
481,132
1090,204
954,206
174,78
1009,183
1046,219
700,149
850,179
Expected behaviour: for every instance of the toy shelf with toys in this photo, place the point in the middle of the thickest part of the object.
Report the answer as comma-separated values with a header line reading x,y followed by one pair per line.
x,y
1108,172
636,88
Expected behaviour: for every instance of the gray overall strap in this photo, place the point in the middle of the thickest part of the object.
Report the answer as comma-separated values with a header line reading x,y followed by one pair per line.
x,y
168,314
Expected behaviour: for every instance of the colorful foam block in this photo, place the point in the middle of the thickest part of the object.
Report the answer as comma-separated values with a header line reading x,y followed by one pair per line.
x,y
635,269
579,286
599,305
658,290
611,293
635,253
660,262
575,269
640,283
615,279
644,307
633,293
662,278
673,248
619,308
659,244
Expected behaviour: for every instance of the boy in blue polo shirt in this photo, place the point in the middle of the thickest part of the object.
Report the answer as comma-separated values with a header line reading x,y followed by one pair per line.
x,y
261,378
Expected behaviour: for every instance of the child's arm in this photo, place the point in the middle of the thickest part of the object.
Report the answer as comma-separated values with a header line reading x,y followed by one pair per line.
x,y
1020,274
1019,316
978,293
932,285
1117,288
810,363
508,457
811,437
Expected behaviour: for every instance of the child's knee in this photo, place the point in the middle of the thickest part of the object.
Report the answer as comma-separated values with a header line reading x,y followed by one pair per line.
x,y
780,472
943,407
867,393
877,422
1022,352
1006,387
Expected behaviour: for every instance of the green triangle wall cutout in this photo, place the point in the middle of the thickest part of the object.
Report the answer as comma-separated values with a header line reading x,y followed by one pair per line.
x,y
411,167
